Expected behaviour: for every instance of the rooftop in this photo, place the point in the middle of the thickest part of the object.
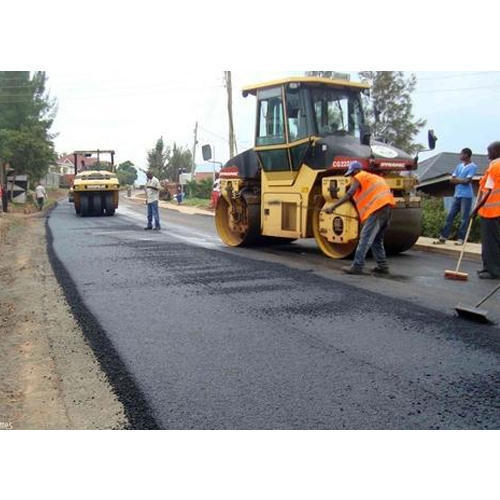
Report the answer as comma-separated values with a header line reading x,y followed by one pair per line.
x,y
252,89
444,164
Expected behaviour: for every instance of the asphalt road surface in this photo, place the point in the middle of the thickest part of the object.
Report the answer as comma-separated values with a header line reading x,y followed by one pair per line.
x,y
195,335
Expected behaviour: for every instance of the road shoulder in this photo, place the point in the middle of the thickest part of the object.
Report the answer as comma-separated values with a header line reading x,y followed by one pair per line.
x,y
49,376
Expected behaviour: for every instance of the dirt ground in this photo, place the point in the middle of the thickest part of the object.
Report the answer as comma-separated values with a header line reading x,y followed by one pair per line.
x,y
49,377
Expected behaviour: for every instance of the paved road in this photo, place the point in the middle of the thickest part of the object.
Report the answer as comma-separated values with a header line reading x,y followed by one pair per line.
x,y
209,337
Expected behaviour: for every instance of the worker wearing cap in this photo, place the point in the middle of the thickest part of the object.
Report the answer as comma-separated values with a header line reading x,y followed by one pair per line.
x,y
488,207
374,201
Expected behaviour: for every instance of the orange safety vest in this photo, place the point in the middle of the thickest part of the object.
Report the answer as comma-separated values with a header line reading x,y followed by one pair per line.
x,y
491,209
373,194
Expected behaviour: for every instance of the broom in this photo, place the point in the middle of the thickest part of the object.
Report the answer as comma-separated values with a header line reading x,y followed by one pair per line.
x,y
474,313
456,274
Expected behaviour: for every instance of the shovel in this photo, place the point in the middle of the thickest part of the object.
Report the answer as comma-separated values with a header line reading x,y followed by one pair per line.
x,y
474,313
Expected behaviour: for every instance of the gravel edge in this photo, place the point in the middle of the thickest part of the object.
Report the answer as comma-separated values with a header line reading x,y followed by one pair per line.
x,y
137,410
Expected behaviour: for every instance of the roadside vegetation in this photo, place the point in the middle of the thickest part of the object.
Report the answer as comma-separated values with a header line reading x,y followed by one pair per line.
x,y
196,202
30,206
26,116
434,217
199,189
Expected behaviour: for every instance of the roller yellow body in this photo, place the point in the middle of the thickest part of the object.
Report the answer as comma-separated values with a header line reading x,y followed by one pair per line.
x,y
278,191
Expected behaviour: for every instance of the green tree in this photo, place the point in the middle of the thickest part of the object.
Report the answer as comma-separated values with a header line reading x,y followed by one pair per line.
x,y
390,110
26,116
27,151
180,161
199,189
127,173
158,158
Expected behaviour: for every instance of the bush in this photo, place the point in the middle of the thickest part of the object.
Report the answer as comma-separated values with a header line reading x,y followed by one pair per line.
x,y
434,217
199,189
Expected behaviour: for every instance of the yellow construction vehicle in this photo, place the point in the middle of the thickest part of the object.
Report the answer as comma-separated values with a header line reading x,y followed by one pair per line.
x,y
308,130
95,192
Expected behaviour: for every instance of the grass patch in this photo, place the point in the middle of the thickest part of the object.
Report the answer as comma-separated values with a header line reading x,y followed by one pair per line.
x,y
196,202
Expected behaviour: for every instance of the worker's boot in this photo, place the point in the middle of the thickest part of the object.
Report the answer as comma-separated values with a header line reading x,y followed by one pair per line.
x,y
352,270
380,270
439,241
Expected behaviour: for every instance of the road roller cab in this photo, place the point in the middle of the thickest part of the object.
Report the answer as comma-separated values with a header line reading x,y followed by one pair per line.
x,y
307,131
96,186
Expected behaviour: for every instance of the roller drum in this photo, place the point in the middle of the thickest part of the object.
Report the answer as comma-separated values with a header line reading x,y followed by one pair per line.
x,y
404,230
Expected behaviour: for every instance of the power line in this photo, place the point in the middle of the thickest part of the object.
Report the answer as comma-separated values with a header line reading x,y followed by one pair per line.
x,y
214,134
464,74
456,90
113,93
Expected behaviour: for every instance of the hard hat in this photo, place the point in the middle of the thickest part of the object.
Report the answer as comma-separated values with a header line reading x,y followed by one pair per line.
x,y
354,167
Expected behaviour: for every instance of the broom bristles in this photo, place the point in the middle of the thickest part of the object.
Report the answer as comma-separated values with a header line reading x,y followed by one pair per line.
x,y
456,275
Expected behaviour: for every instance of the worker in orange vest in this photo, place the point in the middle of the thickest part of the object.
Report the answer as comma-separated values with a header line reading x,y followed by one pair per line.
x,y
488,207
374,201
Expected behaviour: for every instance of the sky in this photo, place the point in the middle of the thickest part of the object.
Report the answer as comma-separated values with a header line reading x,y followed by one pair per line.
x,y
128,111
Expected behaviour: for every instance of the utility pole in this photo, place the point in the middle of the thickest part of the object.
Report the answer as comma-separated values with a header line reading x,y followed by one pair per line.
x,y
193,168
232,140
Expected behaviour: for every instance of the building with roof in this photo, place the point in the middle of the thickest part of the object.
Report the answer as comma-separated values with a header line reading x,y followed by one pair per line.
x,y
206,170
67,166
434,174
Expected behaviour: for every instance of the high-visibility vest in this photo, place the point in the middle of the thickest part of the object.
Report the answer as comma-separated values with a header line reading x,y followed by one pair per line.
x,y
373,194
484,178
491,208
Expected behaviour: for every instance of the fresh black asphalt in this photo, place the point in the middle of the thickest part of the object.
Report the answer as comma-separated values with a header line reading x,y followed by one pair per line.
x,y
199,337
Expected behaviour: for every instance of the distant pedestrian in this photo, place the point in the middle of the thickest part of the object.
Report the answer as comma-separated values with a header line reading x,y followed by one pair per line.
x,y
488,207
40,195
4,198
1,200
461,178
374,201
178,195
152,196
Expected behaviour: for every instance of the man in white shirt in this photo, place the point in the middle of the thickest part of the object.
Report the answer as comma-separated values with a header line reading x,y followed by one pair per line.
x,y
152,196
40,195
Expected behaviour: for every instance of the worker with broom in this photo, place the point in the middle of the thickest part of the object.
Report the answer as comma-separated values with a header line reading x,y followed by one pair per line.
x,y
374,202
488,207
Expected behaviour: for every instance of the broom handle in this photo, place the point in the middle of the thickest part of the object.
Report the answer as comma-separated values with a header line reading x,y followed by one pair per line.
x,y
468,232
463,246
484,299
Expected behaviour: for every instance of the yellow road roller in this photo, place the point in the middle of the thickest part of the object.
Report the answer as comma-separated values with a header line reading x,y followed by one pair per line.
x,y
307,131
95,191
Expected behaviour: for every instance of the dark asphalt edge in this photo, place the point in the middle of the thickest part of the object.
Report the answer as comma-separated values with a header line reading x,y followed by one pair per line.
x,y
137,410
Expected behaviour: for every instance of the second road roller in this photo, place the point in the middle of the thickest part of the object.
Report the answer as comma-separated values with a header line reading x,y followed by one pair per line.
x,y
307,131
94,191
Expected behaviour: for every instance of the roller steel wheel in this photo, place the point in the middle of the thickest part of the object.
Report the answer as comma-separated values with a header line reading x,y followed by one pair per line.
x,y
235,233
332,250
404,230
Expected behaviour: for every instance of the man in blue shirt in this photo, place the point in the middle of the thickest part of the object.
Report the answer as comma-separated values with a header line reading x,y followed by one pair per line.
x,y
462,199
